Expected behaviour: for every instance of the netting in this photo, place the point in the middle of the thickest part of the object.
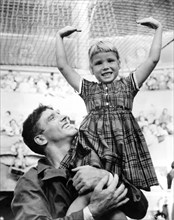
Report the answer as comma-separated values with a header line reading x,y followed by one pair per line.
x,y
28,29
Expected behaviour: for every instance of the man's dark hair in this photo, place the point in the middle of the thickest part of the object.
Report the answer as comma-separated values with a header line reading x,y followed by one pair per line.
x,y
31,129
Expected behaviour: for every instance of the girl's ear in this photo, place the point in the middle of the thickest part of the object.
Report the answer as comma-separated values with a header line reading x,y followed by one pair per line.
x,y
91,70
40,139
119,64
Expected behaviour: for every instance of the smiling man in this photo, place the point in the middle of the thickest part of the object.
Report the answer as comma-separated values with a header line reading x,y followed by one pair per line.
x,y
43,193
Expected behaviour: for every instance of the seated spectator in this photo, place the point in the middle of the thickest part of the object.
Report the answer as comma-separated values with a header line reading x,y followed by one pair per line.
x,y
165,116
166,121
15,127
167,127
158,131
149,136
5,125
142,121
24,86
170,176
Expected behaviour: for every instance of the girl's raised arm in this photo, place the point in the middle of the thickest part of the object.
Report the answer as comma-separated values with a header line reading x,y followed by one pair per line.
x,y
147,67
72,77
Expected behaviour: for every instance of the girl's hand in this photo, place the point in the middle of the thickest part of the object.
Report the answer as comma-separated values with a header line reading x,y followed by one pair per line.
x,y
68,30
149,22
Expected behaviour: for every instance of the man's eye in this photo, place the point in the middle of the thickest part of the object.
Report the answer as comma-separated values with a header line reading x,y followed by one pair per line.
x,y
52,117
58,112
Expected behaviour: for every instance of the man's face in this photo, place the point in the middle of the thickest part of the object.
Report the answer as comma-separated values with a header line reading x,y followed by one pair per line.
x,y
56,127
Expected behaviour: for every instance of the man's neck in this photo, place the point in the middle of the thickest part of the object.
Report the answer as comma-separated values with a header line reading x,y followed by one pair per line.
x,y
56,153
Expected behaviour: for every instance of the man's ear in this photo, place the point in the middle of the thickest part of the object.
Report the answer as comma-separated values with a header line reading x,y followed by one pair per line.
x,y
40,139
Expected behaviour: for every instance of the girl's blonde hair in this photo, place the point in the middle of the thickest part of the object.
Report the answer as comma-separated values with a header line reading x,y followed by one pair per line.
x,y
102,46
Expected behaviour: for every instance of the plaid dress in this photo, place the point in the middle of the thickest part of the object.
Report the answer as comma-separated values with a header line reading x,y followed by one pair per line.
x,y
111,132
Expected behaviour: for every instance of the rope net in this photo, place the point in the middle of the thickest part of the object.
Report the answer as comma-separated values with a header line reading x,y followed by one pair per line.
x,y
28,29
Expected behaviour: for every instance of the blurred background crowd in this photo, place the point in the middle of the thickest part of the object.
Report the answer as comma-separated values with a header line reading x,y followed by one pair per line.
x,y
52,83
29,76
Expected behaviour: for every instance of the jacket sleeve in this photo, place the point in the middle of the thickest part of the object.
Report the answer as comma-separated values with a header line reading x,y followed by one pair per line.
x,y
30,203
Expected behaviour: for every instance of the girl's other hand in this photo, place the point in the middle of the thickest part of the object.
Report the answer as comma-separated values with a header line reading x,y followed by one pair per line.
x,y
149,22
68,30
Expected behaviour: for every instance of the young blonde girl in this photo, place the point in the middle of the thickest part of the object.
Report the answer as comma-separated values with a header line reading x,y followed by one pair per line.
x,y
110,130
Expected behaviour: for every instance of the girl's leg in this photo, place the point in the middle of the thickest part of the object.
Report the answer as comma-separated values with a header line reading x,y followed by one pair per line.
x,y
79,203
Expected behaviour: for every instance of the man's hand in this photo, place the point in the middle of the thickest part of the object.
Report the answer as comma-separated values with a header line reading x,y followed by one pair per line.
x,y
149,22
87,177
66,31
104,200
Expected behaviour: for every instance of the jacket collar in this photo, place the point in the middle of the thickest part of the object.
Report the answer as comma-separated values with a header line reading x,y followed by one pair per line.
x,y
47,171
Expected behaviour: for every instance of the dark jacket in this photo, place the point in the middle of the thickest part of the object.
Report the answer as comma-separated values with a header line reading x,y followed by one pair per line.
x,y
42,194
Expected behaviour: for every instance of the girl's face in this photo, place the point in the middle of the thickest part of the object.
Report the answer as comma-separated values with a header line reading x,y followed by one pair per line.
x,y
105,66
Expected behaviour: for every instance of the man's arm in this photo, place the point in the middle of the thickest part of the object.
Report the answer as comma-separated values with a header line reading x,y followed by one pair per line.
x,y
104,200
87,177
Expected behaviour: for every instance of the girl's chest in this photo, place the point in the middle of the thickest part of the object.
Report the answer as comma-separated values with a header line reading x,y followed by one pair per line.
x,y
108,97
104,93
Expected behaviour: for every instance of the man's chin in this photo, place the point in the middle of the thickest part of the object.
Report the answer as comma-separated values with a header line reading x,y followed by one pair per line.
x,y
75,131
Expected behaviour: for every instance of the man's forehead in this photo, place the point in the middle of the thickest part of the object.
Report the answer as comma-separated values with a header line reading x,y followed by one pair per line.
x,y
48,112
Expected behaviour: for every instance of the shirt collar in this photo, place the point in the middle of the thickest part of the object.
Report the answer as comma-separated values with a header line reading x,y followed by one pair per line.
x,y
47,171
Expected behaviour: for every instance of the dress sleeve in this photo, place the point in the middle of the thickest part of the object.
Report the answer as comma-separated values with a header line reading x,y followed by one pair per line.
x,y
80,85
131,83
134,81
86,88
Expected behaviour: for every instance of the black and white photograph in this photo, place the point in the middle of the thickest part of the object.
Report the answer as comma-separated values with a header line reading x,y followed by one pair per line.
x,y
86,110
